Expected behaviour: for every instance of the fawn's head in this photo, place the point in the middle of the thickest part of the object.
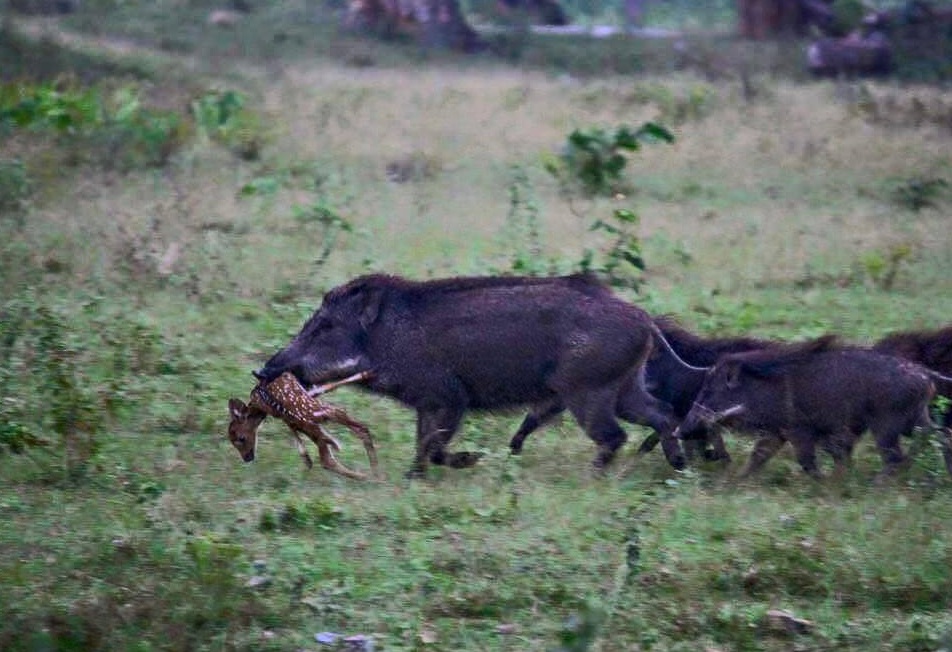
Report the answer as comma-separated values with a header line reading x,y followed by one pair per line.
x,y
243,428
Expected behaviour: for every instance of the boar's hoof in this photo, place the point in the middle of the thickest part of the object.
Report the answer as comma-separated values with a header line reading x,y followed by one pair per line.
x,y
711,455
416,473
678,462
695,448
604,457
649,443
462,460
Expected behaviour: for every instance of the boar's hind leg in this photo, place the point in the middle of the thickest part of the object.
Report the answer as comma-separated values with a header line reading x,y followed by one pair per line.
x,y
887,433
945,442
840,446
537,417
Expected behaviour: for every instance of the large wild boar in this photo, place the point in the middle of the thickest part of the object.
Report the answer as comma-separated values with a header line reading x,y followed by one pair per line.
x,y
814,393
932,349
447,346
674,374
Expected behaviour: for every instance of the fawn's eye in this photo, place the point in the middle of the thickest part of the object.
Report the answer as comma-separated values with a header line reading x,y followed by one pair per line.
x,y
241,439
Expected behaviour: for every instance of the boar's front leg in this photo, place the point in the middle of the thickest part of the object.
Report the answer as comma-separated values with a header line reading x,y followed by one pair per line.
x,y
716,453
636,405
803,441
887,433
435,429
840,446
538,416
765,448
595,412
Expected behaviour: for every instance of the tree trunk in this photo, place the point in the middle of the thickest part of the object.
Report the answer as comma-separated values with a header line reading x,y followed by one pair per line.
x,y
433,23
763,19
850,56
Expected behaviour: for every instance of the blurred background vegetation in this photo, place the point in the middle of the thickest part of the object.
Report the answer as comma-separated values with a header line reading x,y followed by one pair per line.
x,y
176,195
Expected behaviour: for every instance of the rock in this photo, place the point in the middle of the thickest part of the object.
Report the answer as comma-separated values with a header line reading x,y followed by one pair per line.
x,y
359,643
355,643
223,18
781,620
258,582
326,638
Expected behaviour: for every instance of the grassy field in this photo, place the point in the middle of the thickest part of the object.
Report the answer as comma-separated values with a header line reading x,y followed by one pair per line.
x,y
140,286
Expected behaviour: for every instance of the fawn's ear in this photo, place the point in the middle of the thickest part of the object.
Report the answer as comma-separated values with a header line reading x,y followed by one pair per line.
x,y
237,408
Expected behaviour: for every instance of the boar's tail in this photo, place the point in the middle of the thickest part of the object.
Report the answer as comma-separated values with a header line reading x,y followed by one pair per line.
x,y
667,345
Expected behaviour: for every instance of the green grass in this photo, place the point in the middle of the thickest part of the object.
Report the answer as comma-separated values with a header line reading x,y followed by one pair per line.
x,y
135,302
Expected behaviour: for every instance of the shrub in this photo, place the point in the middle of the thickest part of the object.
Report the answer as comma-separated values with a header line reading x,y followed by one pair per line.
x,y
15,190
592,160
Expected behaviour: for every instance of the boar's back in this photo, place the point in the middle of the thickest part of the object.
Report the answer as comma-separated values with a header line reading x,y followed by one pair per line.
x,y
776,361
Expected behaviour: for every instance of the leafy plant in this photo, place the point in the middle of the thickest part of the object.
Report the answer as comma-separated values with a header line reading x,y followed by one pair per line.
x,y
15,190
214,111
675,106
112,130
621,260
940,407
592,160
70,404
221,116
329,222
47,106
882,267
16,438
522,225
917,193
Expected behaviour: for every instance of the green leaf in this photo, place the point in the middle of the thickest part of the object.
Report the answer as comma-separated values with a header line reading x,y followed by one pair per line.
x,y
626,216
259,186
635,260
655,131
626,139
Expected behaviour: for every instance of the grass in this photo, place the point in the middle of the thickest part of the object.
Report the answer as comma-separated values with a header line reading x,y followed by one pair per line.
x,y
150,293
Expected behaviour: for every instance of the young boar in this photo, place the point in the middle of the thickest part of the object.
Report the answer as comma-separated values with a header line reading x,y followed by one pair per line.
x,y
443,347
932,349
814,393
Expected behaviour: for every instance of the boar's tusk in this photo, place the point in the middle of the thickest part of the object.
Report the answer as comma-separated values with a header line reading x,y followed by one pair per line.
x,y
717,417
326,387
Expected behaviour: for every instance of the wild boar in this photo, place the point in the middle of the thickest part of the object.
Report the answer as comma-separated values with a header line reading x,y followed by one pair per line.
x,y
816,392
932,349
674,374
446,346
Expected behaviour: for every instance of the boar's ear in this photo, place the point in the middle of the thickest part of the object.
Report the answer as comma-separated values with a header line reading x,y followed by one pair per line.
x,y
370,311
237,408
